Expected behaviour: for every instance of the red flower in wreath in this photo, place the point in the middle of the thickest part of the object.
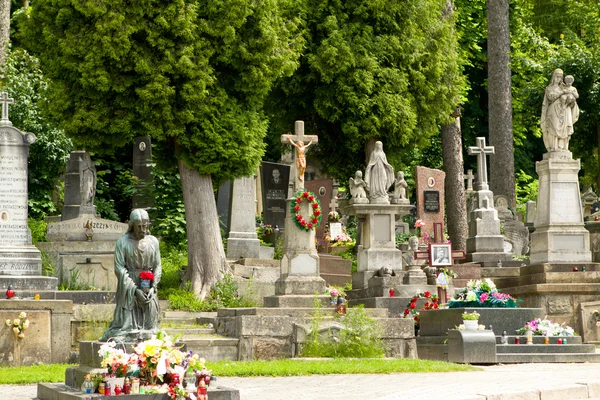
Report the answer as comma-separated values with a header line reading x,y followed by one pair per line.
x,y
315,205
305,195
413,305
317,212
311,197
306,223
427,294
296,208
298,199
406,311
315,220
309,225
298,218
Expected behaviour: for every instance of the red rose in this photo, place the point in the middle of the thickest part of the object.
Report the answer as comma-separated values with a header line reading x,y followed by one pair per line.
x,y
298,218
305,194
435,301
147,275
298,199
427,294
317,212
311,197
435,306
315,220
309,225
416,318
296,208
303,222
412,305
315,205
413,300
406,311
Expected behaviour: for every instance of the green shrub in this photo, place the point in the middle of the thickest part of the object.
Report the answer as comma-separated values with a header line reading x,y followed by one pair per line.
x,y
174,260
224,294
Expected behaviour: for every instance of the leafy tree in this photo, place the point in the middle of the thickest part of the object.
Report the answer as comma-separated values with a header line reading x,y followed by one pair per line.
x,y
194,73
25,82
371,70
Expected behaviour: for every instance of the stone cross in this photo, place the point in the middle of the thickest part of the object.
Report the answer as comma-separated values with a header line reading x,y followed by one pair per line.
x,y
481,150
298,136
5,101
469,180
333,203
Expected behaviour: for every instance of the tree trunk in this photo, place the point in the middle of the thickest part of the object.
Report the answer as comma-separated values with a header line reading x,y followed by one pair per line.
x,y
4,29
206,257
598,141
502,164
454,187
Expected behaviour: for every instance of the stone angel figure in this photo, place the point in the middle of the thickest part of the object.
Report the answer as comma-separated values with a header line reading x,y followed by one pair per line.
x,y
358,188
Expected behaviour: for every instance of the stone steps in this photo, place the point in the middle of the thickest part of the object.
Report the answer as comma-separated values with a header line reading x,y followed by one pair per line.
x,y
507,358
545,349
212,348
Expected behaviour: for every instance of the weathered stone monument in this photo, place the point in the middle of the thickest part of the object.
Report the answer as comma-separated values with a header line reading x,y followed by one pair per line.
x,y
81,246
560,235
485,244
243,240
20,261
299,279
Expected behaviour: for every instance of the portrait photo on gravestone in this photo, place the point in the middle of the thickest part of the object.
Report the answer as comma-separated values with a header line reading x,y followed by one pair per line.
x,y
440,254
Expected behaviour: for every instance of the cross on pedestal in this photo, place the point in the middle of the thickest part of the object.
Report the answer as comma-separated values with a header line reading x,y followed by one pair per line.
x,y
5,101
469,180
440,254
480,151
333,204
299,136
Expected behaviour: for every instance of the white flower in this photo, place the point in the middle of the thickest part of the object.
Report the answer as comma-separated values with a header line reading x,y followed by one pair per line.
x,y
16,330
22,315
21,335
8,322
26,324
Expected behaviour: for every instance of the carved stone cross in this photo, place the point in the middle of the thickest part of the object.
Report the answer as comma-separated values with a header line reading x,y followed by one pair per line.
x,y
480,151
5,101
469,179
297,137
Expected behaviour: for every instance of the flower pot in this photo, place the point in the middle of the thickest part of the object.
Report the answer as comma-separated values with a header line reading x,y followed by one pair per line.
x,y
471,324
145,285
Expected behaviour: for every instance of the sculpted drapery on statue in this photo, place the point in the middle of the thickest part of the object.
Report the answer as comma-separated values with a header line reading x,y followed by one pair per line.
x,y
136,311
379,174
559,112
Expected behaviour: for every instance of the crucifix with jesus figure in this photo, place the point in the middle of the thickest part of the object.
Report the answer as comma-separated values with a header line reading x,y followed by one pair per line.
x,y
440,254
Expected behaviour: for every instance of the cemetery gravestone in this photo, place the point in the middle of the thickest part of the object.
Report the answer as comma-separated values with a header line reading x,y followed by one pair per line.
x,y
142,170
275,181
430,197
80,186
322,188
20,261
243,240
223,204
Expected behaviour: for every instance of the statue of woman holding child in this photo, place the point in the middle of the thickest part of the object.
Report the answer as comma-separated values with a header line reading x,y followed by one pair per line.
x,y
559,112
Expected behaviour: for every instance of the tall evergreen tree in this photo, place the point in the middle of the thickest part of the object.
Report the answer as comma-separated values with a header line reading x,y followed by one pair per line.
x,y
193,72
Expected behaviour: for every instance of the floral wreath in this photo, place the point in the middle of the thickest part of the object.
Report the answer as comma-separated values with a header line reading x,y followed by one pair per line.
x,y
431,303
315,218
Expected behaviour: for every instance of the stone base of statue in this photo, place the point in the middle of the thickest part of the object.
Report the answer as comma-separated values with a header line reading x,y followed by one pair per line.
x,y
399,201
300,275
362,200
560,234
377,247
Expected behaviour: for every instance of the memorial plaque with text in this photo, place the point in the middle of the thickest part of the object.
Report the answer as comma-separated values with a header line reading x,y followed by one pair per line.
x,y
432,200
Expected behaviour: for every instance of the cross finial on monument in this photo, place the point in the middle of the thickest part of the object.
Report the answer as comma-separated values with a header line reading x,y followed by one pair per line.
x,y
5,101
480,151
299,141
469,179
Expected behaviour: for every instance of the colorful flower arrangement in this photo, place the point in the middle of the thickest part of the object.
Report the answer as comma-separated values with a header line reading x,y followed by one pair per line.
x,y
19,325
545,327
340,240
471,316
146,275
481,293
299,219
333,216
431,303
153,361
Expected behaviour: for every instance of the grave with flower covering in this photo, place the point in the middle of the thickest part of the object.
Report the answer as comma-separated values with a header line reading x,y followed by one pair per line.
x,y
499,315
157,368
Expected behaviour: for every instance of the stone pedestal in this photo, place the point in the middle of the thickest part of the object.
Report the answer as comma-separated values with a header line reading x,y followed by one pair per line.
x,y
485,243
560,235
378,239
80,186
242,240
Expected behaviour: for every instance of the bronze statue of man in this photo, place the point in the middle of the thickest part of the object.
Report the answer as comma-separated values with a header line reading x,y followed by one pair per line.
x,y
137,310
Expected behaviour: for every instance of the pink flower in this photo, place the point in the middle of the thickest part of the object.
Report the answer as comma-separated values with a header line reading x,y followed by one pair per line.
x,y
484,296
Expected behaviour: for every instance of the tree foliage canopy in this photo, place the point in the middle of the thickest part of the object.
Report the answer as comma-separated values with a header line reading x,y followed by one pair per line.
x,y
193,71
372,69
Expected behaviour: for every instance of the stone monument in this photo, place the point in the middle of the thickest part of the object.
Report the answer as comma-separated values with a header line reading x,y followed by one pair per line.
x,y
560,235
300,276
142,170
485,244
81,246
377,218
20,261
429,185
242,241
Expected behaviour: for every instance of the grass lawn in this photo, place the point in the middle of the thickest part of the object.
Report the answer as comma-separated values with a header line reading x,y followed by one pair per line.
x,y
286,367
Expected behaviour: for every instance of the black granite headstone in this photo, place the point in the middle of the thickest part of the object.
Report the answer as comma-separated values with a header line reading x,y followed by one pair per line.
x,y
223,199
142,169
275,179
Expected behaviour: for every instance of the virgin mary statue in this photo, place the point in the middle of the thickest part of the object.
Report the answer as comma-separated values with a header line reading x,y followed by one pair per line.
x,y
379,175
